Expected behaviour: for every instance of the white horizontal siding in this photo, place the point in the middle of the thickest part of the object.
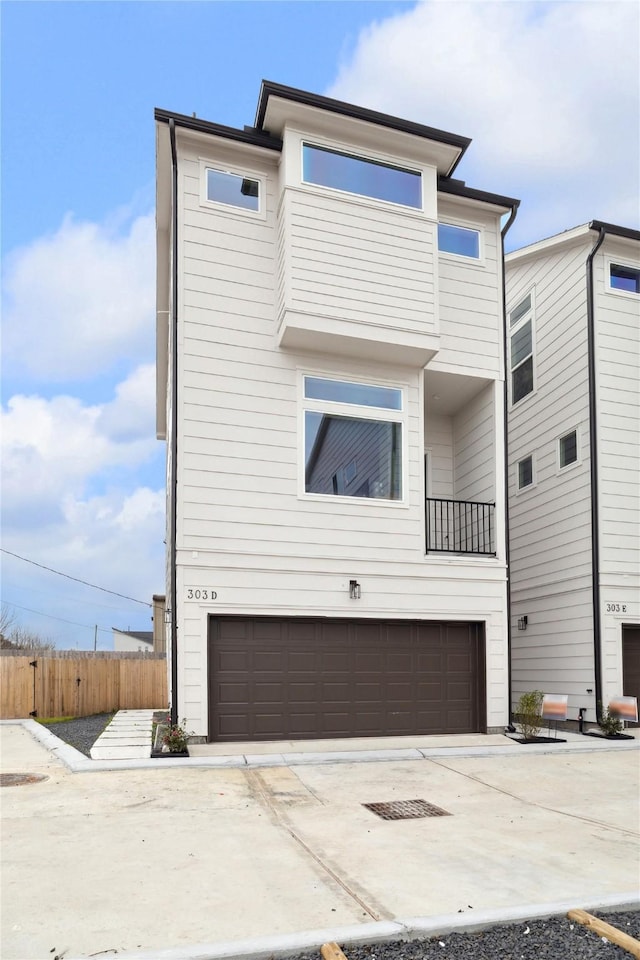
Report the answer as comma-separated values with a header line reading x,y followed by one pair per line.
x,y
355,261
475,449
618,395
470,297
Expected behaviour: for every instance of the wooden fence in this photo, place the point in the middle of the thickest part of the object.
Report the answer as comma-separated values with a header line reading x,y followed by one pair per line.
x,y
76,685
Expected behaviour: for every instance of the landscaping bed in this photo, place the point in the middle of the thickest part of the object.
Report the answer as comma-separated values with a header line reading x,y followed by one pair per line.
x,y
79,732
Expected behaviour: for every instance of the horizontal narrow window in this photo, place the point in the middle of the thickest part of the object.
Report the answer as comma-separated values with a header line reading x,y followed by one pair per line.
x,y
525,473
344,391
352,457
367,178
233,189
568,449
460,240
625,278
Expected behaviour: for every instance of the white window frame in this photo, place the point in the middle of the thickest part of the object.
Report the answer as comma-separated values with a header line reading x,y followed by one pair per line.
x,y
354,412
625,264
520,490
574,463
462,257
511,331
229,208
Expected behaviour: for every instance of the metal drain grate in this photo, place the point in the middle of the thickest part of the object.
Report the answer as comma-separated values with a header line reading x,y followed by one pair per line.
x,y
406,809
19,779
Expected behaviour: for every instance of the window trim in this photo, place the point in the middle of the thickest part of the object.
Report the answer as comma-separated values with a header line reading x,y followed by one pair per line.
x,y
574,463
462,225
534,479
625,265
355,412
376,159
229,208
528,315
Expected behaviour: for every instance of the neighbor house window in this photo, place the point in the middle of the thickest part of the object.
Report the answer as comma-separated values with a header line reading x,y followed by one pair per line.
x,y
568,449
232,189
624,278
525,473
459,240
367,178
521,349
352,439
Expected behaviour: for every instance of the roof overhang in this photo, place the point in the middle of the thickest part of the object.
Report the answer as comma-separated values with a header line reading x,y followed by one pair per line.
x,y
574,236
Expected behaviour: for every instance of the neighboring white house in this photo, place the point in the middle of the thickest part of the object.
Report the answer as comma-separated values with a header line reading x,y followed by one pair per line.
x,y
573,319
331,387
140,641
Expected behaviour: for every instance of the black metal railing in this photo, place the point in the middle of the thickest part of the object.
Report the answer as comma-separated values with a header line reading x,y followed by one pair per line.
x,y
460,526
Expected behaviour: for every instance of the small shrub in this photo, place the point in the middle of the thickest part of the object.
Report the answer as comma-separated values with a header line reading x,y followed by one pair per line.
x,y
529,713
610,724
175,737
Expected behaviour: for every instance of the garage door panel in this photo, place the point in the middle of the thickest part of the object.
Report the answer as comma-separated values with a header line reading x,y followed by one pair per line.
x,y
631,662
292,678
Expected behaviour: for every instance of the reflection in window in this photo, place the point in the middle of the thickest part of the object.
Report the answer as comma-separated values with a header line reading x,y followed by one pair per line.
x,y
521,349
367,178
345,391
332,446
568,449
625,278
525,473
233,190
460,240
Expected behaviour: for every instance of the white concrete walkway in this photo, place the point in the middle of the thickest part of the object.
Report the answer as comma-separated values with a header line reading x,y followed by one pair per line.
x,y
127,737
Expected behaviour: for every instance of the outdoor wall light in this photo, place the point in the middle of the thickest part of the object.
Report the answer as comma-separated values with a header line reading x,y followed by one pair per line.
x,y
522,623
354,590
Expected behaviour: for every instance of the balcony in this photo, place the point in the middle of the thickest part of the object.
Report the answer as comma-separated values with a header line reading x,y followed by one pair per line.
x,y
460,526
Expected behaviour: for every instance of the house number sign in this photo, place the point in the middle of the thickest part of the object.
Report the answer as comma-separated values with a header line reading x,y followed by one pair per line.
x,y
201,594
616,608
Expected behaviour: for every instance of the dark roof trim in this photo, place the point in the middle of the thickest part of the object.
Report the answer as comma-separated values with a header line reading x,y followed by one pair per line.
x,y
626,232
255,137
270,89
458,188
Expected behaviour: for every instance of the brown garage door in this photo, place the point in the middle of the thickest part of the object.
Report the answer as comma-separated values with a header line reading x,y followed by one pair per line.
x,y
631,662
301,678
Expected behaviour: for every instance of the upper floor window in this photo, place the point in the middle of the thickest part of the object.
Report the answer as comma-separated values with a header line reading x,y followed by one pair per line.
x,y
459,240
368,178
624,278
521,349
568,449
232,189
350,450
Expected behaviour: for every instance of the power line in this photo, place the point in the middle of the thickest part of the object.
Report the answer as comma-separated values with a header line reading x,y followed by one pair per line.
x,y
74,623
76,579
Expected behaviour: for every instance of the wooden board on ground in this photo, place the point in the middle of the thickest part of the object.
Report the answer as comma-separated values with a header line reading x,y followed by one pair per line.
x,y
621,939
331,951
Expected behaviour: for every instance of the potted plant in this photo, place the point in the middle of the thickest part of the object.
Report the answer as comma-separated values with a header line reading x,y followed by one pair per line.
x,y
171,739
529,714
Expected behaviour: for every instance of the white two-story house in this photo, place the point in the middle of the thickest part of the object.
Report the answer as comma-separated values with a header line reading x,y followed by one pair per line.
x,y
573,320
331,389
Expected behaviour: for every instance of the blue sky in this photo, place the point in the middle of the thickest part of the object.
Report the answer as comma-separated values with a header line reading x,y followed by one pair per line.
x,y
83,474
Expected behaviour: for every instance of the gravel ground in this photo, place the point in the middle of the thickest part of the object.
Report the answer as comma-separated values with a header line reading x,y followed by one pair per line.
x,y
82,732
554,939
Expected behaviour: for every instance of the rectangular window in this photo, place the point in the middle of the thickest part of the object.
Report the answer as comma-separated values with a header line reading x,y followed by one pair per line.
x,y
624,278
349,451
233,189
568,449
460,240
525,473
367,178
521,349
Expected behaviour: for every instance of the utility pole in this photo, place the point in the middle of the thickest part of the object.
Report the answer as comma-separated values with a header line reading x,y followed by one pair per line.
x,y
95,639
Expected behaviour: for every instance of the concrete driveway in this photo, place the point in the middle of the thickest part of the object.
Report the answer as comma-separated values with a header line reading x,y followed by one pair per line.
x,y
141,860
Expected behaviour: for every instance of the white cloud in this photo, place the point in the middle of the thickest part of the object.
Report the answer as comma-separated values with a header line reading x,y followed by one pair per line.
x,y
74,500
81,299
548,92
53,450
